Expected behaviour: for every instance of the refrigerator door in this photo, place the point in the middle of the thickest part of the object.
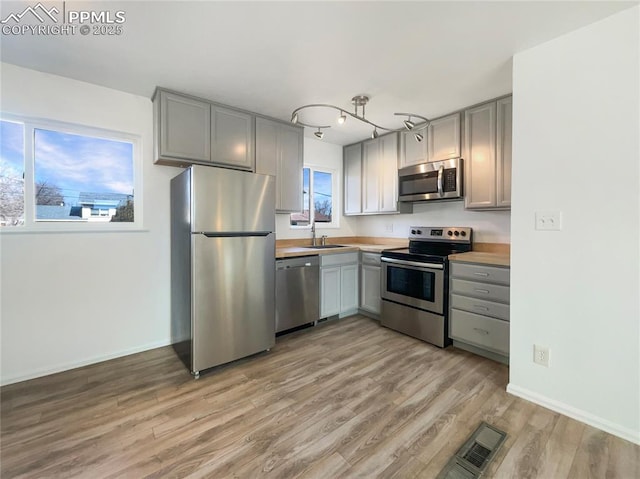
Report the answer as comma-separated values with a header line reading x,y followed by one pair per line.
x,y
233,298
227,201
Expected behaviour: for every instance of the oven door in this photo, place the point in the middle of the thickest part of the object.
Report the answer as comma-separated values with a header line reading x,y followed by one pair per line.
x,y
412,283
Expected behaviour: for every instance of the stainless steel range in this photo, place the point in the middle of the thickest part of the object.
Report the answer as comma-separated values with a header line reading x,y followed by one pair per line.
x,y
415,282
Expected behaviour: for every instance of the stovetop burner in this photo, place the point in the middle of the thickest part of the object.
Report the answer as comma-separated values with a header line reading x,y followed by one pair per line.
x,y
434,244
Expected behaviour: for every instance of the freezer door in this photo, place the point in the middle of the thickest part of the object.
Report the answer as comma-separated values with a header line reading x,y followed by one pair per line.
x,y
233,298
226,201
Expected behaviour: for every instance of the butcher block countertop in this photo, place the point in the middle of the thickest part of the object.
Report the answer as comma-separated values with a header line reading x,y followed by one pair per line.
x,y
495,259
288,248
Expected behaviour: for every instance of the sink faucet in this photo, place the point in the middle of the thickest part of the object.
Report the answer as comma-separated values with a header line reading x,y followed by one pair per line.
x,y
313,234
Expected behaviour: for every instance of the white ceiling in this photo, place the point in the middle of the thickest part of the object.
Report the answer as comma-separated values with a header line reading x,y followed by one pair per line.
x,y
428,58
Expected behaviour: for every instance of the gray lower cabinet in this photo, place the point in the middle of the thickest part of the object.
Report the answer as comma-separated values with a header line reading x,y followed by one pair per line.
x,y
190,130
488,155
338,284
479,309
279,152
370,301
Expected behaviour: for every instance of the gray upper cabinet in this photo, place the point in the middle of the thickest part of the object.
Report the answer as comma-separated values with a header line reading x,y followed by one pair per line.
x,y
279,152
182,128
488,155
444,138
353,179
371,177
503,154
380,175
192,130
232,138
412,151
440,141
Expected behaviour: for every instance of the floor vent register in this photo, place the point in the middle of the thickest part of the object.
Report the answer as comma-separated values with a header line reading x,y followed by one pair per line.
x,y
476,453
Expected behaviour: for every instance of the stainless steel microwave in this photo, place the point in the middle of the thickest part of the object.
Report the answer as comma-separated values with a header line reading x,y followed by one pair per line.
x,y
438,180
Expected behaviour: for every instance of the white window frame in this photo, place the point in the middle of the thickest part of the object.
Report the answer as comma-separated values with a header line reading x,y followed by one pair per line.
x,y
30,224
335,201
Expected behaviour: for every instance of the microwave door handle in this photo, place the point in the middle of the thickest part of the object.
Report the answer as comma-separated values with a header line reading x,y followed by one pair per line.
x,y
440,179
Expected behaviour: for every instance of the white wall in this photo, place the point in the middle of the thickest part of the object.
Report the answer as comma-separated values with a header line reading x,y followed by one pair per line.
x,y
326,155
488,226
74,298
576,149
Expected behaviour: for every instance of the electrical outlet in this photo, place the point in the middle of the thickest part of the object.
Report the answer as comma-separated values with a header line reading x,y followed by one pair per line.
x,y
389,228
548,220
541,355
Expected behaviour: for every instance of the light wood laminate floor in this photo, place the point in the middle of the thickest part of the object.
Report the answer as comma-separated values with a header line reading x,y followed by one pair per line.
x,y
345,399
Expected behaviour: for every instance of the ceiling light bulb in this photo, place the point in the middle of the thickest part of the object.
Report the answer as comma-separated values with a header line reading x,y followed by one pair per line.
x,y
294,118
342,118
375,133
408,124
418,137
319,134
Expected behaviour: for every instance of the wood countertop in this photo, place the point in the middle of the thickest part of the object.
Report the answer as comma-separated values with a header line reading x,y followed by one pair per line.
x,y
496,259
296,251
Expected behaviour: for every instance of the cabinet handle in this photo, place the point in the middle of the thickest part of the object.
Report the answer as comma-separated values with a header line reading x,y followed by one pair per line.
x,y
481,274
483,308
485,291
481,331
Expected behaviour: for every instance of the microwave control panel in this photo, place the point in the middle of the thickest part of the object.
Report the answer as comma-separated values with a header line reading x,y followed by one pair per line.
x,y
449,180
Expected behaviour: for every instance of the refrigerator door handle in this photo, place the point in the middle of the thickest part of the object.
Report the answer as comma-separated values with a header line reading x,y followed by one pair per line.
x,y
233,234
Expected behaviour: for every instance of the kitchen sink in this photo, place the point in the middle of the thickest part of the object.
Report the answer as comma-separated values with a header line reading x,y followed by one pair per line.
x,y
325,246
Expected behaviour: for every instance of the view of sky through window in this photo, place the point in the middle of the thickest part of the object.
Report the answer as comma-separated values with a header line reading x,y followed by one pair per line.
x,y
74,177
76,164
322,196
11,173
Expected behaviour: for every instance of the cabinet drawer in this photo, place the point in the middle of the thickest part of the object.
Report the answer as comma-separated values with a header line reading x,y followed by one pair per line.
x,y
479,272
490,292
488,333
480,306
371,258
338,259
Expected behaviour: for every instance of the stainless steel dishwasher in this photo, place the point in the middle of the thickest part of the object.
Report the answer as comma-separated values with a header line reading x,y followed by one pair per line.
x,y
297,292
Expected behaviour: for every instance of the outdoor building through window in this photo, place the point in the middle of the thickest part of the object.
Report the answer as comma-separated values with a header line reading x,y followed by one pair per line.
x,y
317,198
64,175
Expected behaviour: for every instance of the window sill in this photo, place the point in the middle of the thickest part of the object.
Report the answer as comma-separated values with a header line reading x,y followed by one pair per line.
x,y
9,231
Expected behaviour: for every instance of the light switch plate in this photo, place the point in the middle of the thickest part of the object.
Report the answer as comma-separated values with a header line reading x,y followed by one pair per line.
x,y
549,220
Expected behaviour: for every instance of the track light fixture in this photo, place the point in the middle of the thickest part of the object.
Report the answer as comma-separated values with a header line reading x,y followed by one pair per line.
x,y
359,102
418,137
408,124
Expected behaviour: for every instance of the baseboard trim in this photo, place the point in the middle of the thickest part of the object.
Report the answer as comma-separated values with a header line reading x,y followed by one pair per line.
x,y
5,381
577,414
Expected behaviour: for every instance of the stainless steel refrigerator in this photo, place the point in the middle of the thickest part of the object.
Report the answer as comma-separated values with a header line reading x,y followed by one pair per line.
x,y
222,265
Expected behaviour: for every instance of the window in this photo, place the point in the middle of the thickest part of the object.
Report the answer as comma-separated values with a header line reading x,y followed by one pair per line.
x,y
318,199
57,176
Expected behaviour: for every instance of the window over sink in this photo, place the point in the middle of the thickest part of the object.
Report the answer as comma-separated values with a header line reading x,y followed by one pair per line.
x,y
319,199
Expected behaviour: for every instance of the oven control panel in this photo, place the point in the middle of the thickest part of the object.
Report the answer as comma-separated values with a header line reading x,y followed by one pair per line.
x,y
460,234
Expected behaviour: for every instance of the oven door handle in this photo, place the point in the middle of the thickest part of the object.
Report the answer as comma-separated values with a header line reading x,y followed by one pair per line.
x,y
413,263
